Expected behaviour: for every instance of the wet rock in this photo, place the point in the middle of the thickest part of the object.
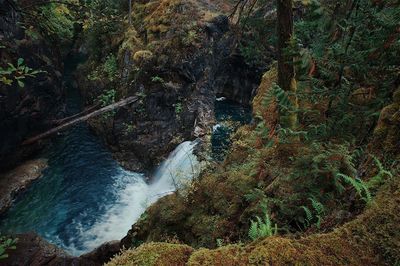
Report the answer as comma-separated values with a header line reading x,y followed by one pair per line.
x,y
103,253
32,250
17,180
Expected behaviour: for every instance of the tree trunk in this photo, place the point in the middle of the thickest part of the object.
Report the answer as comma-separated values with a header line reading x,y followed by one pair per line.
x,y
130,12
286,71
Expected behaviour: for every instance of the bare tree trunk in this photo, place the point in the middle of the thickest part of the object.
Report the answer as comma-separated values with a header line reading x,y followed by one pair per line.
x,y
130,12
286,71
285,32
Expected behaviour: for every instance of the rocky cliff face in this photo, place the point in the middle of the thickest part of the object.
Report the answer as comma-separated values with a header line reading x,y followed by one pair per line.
x,y
25,108
178,56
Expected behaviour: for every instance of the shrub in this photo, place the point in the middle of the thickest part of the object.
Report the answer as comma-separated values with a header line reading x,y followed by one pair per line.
x,y
17,73
107,97
110,67
6,243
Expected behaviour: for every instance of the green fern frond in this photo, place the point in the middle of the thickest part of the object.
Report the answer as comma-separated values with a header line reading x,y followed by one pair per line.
x,y
359,185
319,221
262,228
278,95
378,179
318,206
309,216
253,230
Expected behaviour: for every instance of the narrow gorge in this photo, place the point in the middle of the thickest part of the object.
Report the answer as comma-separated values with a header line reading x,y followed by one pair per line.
x,y
234,132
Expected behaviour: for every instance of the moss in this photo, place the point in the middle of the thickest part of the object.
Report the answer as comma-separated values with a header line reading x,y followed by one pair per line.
x,y
387,131
153,254
131,42
372,239
142,56
268,113
214,206
227,255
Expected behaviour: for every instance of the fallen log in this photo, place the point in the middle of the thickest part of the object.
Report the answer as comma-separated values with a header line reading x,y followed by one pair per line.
x,y
103,110
69,118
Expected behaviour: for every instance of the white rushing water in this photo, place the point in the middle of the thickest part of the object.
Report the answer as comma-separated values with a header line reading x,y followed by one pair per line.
x,y
134,195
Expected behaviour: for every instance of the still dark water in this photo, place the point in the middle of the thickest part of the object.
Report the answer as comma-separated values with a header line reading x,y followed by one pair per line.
x,y
229,116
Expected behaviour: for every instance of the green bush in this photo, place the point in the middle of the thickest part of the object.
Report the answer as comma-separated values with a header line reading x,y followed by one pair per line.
x,y
58,22
110,67
17,73
107,70
107,98
5,244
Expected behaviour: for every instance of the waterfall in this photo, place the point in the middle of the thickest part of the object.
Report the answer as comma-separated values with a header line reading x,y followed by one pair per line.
x,y
181,166
134,196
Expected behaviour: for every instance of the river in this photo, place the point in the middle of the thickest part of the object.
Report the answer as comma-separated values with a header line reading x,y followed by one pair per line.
x,y
84,197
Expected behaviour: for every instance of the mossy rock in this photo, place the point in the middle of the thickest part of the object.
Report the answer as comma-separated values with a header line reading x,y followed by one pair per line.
x,y
387,131
142,57
154,254
268,113
131,42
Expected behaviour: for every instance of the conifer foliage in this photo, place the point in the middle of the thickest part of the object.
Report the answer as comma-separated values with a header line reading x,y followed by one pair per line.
x,y
338,65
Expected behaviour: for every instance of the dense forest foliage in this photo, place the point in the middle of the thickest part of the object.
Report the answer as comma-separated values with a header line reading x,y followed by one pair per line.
x,y
313,179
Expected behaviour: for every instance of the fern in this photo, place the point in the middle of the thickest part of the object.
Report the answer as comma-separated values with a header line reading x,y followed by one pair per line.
x,y
315,214
318,206
319,209
309,216
378,178
253,230
287,133
262,131
262,228
359,185
220,242
255,195
278,95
